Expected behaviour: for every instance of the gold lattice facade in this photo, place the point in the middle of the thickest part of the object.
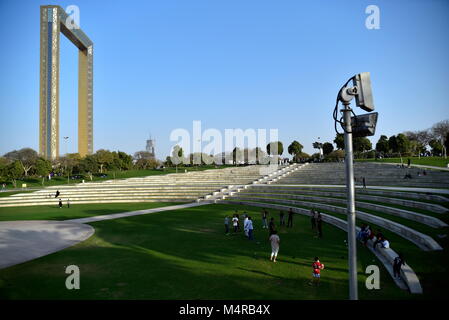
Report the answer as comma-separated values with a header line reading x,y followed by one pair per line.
x,y
53,21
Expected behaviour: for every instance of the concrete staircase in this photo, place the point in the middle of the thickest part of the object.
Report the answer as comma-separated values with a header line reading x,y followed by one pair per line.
x,y
376,174
176,187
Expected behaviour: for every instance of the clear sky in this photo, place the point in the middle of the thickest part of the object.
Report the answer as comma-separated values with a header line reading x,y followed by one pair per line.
x,y
159,65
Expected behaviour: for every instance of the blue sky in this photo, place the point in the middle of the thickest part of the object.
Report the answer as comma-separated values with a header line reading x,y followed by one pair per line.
x,y
159,65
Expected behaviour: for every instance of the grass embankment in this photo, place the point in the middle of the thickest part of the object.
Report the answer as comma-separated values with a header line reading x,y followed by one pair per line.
x,y
35,182
185,254
425,161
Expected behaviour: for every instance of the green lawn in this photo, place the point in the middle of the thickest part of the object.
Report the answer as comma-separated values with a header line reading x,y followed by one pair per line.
x,y
185,254
427,161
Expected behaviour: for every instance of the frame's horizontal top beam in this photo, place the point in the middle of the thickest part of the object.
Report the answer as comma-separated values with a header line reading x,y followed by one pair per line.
x,y
75,35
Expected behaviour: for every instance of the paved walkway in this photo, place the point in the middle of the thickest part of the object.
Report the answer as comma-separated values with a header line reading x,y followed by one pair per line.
x,y
22,241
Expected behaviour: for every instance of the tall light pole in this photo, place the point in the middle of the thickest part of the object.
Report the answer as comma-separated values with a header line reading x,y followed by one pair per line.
x,y
363,125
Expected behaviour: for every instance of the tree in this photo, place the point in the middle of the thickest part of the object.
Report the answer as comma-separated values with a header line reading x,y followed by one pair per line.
x,y
382,144
294,149
393,144
27,158
437,147
126,160
446,141
403,143
237,155
340,141
439,132
43,168
88,165
177,156
14,171
104,158
275,148
361,144
327,148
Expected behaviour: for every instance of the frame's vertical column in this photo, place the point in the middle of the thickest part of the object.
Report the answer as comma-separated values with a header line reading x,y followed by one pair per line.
x,y
49,83
43,84
85,102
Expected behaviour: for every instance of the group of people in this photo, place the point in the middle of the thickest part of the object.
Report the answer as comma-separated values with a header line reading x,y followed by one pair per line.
x,y
366,234
274,238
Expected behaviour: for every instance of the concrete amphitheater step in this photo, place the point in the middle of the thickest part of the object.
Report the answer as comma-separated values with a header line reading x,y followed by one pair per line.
x,y
410,215
398,201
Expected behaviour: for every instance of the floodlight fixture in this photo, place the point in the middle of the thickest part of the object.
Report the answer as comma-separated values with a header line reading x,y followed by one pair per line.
x,y
364,125
361,90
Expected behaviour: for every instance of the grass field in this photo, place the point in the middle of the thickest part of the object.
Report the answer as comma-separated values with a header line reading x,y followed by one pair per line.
x,y
184,254
426,161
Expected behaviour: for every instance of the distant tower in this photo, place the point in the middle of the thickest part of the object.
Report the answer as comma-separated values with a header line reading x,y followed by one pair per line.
x,y
150,147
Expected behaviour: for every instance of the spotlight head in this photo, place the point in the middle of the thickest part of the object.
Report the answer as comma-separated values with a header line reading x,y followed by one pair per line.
x,y
364,95
364,125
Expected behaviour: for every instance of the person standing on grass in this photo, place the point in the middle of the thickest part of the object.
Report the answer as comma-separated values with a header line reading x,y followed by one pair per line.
x,y
281,218
60,203
250,229
68,203
235,223
264,219
272,226
398,262
226,223
312,219
317,266
319,229
245,225
275,240
290,218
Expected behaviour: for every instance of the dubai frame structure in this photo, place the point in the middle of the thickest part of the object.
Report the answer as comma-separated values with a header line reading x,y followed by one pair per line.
x,y
53,21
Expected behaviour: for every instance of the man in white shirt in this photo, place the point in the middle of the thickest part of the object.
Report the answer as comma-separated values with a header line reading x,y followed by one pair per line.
x,y
275,240
235,223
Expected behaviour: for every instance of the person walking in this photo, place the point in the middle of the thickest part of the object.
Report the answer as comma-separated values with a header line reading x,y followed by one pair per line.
x,y
57,193
226,223
317,266
398,262
245,225
235,223
250,229
290,218
272,226
319,229
281,218
60,203
364,183
68,203
275,241
264,219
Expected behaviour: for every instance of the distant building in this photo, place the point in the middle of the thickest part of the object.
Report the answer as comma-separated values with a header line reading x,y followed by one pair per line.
x,y
150,147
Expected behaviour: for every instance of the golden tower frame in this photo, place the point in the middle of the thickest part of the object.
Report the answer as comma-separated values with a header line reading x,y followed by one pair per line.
x,y
53,20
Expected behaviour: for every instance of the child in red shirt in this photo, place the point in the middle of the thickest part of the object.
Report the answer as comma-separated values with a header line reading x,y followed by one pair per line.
x,y
317,267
